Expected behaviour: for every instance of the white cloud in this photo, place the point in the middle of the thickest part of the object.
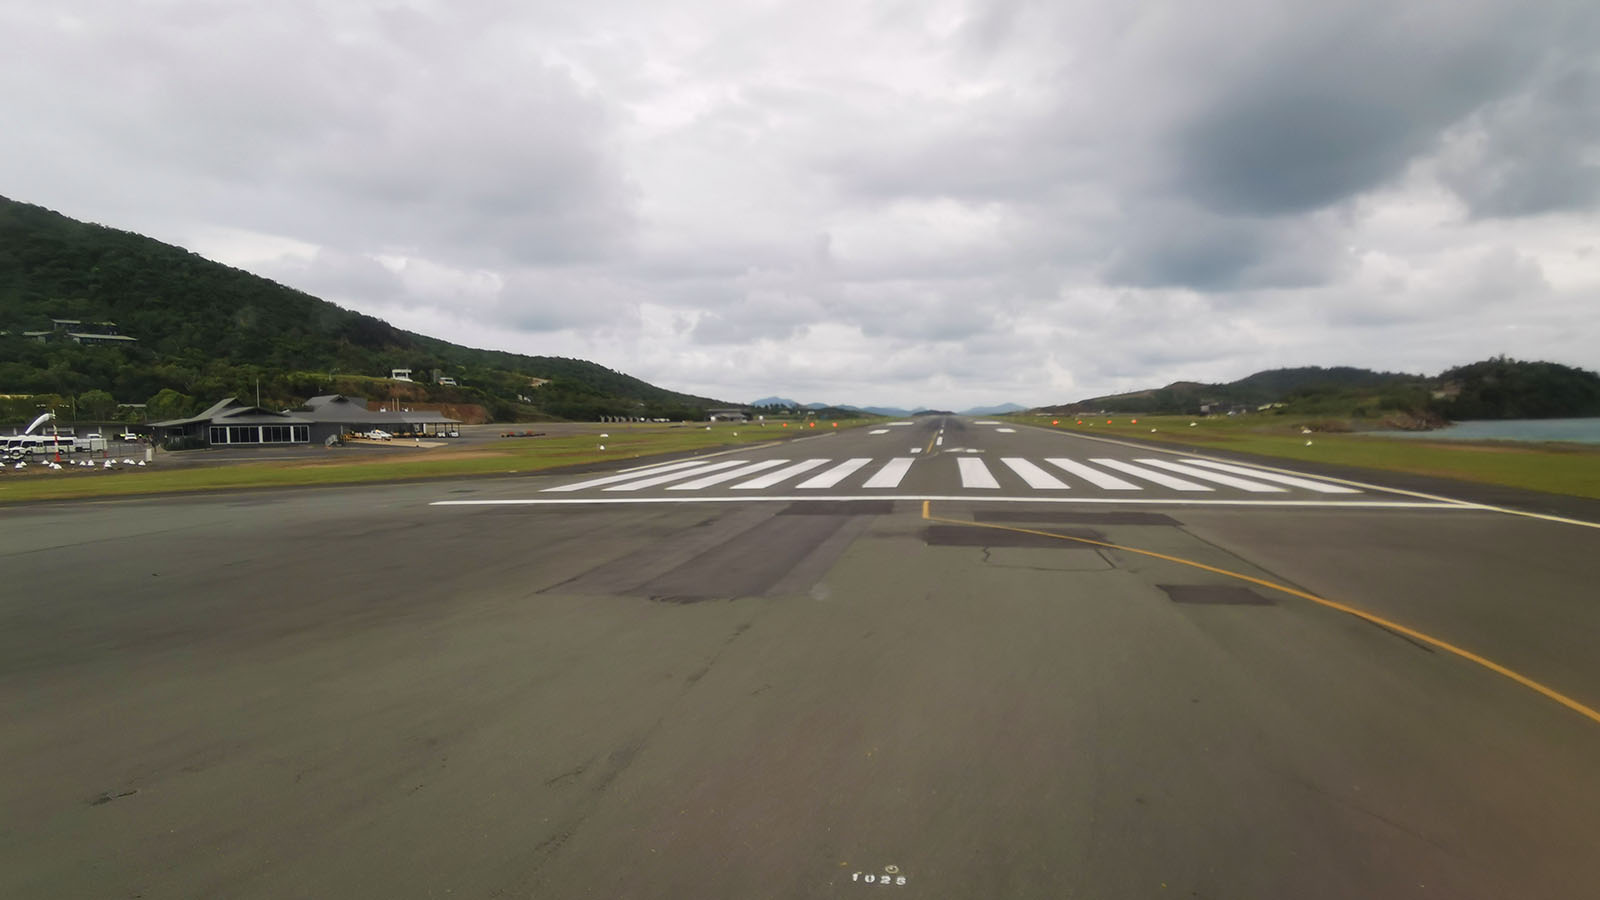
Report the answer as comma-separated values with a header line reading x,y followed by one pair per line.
x,y
937,204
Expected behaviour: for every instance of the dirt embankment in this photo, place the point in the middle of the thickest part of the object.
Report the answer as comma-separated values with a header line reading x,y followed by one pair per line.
x,y
465,413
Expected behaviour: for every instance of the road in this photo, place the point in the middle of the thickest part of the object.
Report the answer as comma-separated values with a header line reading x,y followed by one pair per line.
x,y
986,661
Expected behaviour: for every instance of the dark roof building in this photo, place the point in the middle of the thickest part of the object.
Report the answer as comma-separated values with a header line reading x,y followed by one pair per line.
x,y
230,422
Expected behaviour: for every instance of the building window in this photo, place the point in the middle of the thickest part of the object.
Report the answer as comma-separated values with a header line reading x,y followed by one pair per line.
x,y
219,434
244,434
302,434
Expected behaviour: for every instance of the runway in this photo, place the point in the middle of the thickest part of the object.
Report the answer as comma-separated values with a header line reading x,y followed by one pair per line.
x,y
967,660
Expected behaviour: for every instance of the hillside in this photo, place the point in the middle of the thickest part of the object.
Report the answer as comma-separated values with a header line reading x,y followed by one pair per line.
x,y
206,330
1499,388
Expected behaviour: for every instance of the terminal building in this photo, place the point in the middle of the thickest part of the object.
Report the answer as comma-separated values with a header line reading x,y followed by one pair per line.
x,y
230,423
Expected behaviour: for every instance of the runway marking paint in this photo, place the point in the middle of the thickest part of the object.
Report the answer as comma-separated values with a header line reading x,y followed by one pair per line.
x,y
1582,710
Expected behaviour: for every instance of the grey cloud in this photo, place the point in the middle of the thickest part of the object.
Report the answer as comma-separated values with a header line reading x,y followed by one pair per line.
x,y
1345,97
1533,153
1174,247
294,126
537,301
909,202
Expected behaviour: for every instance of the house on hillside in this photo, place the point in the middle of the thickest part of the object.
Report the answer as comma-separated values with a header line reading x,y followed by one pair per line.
x,y
80,332
400,374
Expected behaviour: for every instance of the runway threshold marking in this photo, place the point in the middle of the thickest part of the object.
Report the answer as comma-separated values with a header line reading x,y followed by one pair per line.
x,y
1548,692
957,498
1197,456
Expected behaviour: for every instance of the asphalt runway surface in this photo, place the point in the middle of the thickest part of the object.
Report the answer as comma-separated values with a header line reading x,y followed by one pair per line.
x,y
940,659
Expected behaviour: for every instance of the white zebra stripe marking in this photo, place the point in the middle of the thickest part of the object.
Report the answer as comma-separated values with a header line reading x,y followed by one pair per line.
x,y
772,478
974,474
636,473
729,475
1177,484
1321,487
889,476
1254,487
834,475
1094,476
1037,478
674,476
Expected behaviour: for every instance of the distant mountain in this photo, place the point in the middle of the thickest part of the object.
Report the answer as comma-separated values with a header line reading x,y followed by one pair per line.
x,y
1000,410
886,411
774,401
205,331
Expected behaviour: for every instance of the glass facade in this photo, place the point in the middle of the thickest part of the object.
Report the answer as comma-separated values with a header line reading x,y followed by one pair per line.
x,y
260,434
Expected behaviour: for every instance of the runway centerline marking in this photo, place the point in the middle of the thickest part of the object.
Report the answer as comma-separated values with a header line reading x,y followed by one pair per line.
x,y
1550,693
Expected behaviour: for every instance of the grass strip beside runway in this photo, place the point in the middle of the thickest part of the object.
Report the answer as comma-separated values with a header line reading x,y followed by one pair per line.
x,y
1570,469
398,463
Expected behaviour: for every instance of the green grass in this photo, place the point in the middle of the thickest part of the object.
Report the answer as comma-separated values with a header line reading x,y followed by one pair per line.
x,y
1556,468
399,463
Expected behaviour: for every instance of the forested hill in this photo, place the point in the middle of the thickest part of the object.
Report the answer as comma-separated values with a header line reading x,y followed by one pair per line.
x,y
206,330
1498,388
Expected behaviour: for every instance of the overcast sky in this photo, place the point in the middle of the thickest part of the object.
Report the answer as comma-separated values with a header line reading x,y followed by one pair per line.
x,y
932,202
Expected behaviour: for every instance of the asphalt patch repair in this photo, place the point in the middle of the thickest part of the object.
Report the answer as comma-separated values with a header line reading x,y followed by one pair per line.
x,y
1215,595
1049,517
976,536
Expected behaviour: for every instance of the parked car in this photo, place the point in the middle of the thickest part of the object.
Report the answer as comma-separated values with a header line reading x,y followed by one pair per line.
x,y
378,434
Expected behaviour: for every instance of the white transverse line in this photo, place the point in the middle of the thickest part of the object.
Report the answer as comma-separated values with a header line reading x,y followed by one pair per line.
x,y
834,475
1254,487
1321,487
729,475
674,476
612,479
1177,484
1094,476
1037,478
772,478
889,476
1442,506
974,474
1006,430
879,431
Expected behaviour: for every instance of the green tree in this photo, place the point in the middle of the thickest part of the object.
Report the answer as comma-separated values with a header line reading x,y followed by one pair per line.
x,y
97,406
169,404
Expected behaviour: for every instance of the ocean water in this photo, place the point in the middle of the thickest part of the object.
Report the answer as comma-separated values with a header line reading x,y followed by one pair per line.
x,y
1581,431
